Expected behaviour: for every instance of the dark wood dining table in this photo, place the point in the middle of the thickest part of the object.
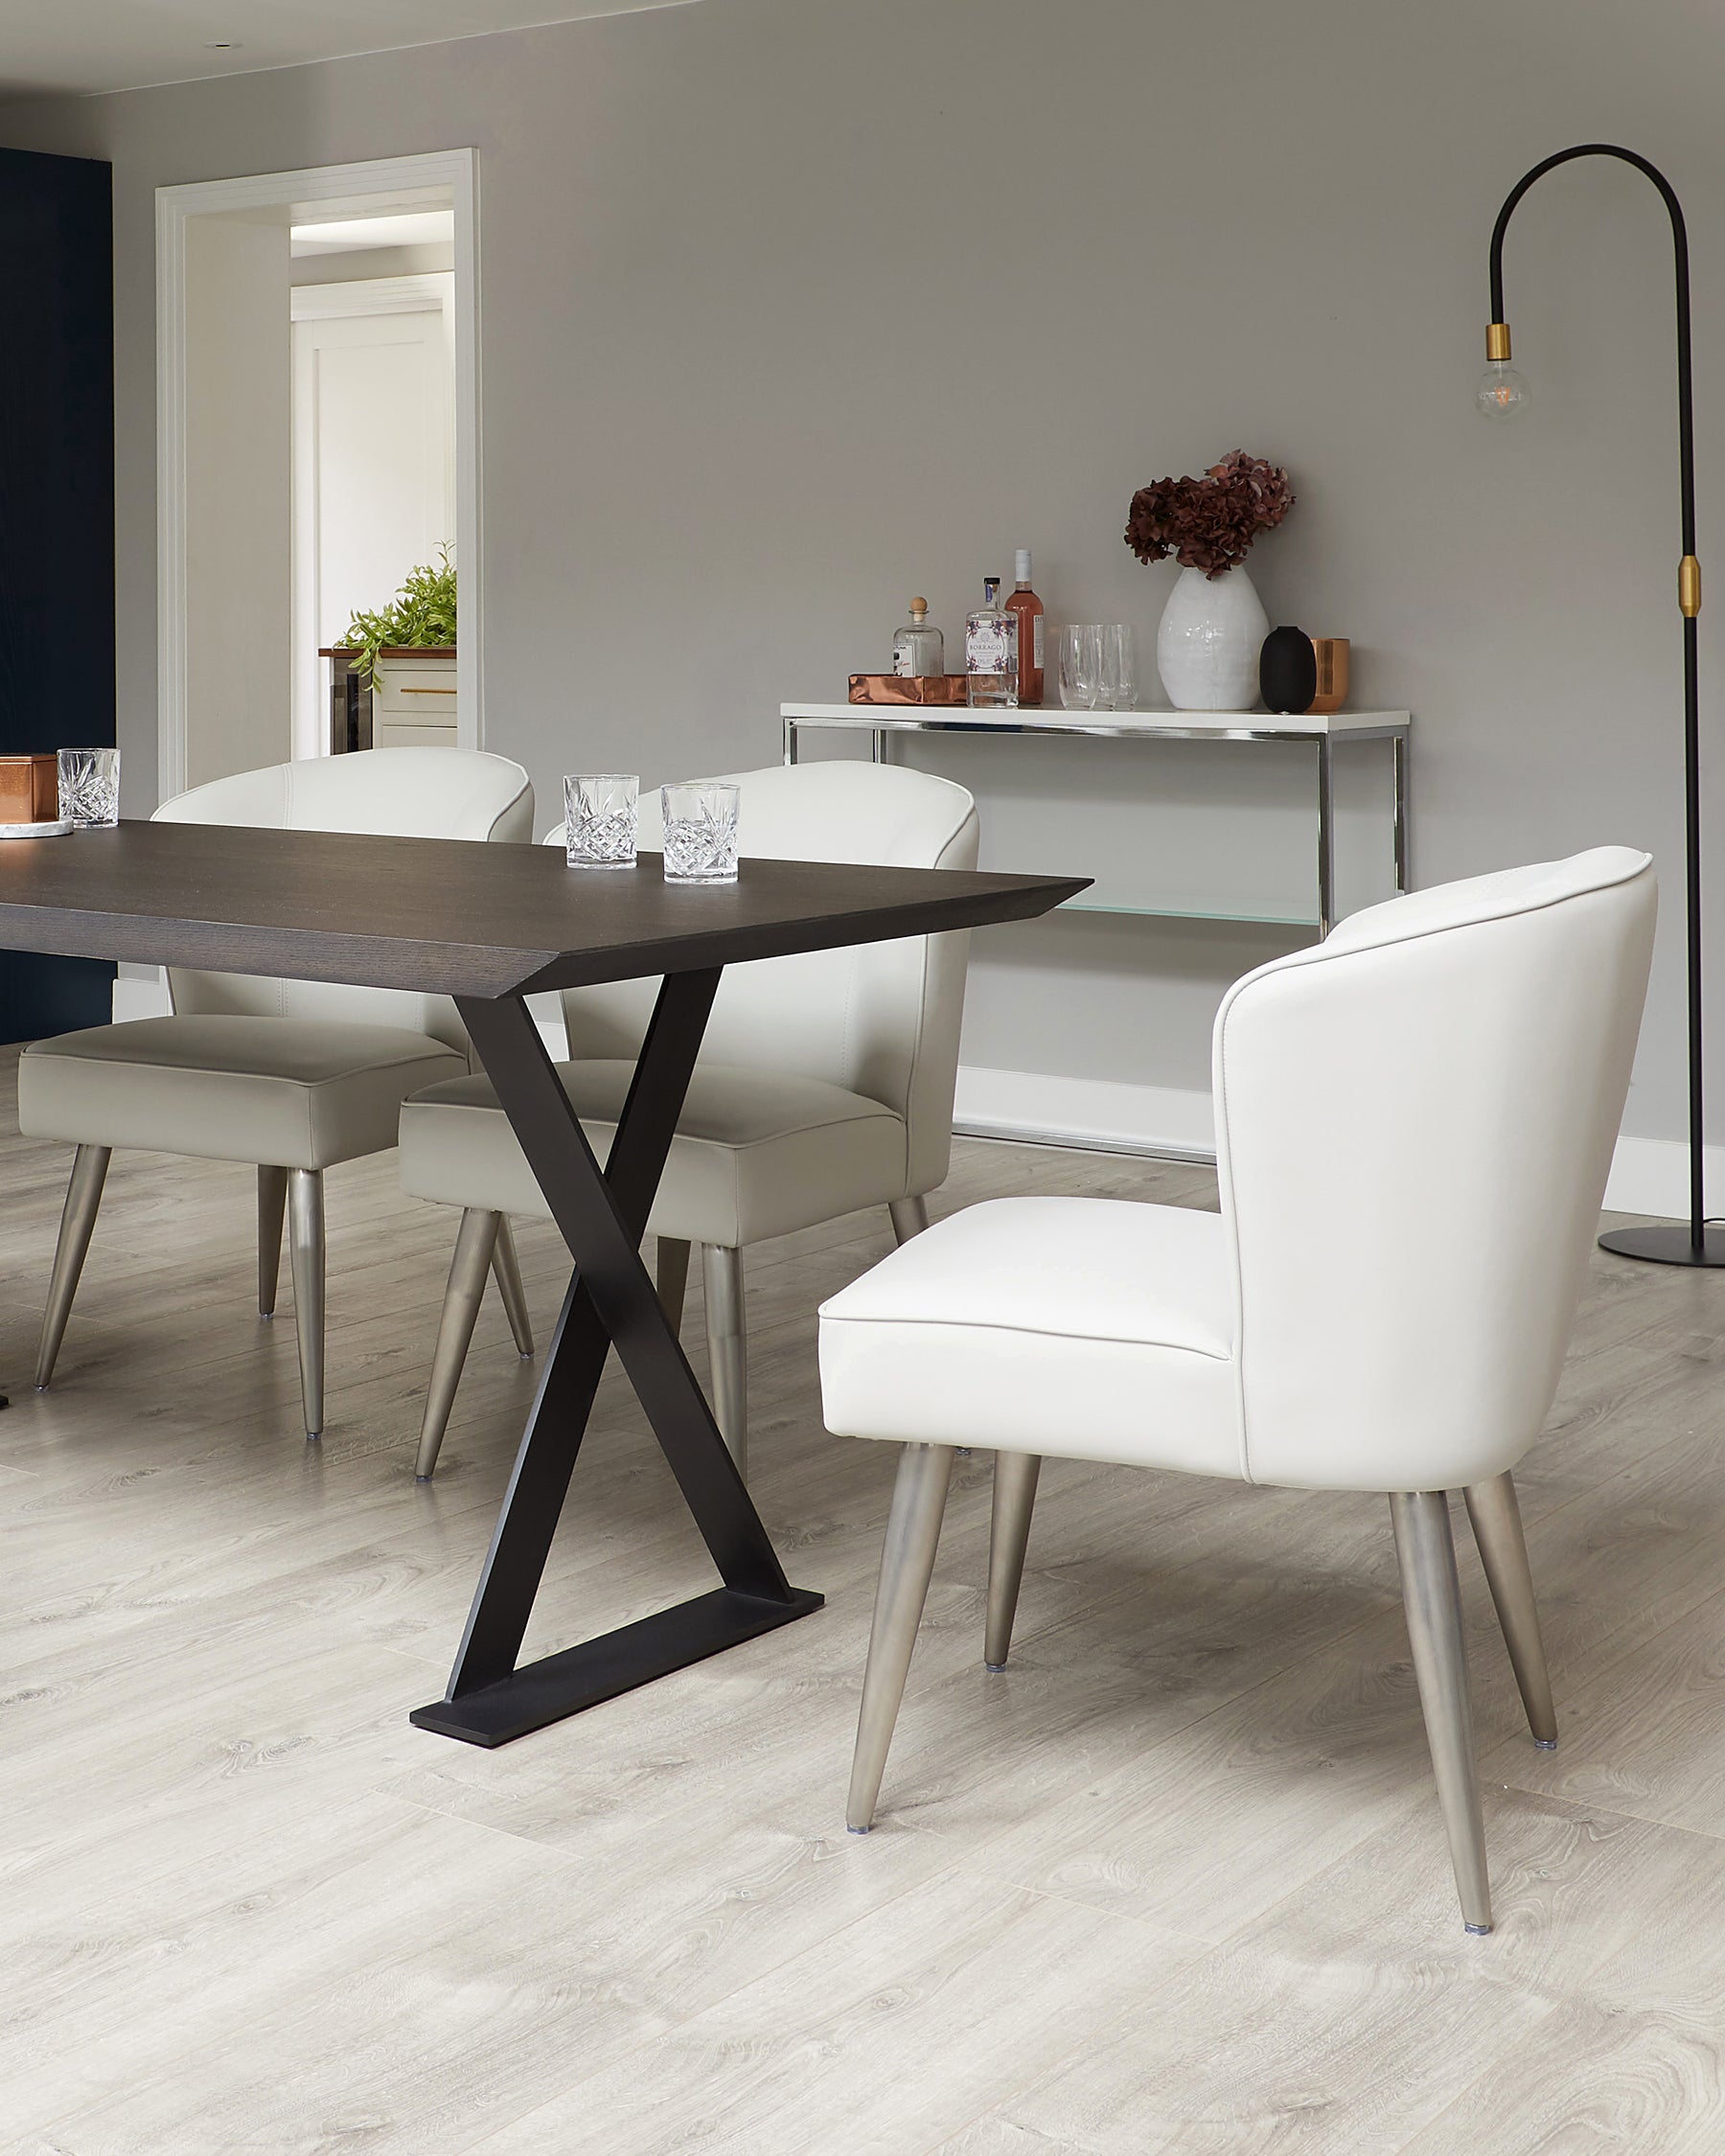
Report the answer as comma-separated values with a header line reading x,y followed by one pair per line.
x,y
489,925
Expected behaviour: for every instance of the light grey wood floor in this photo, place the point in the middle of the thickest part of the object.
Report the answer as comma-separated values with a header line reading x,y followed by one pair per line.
x,y
1175,1882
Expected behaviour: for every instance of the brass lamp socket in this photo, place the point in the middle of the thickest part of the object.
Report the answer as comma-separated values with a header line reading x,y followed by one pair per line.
x,y
1497,340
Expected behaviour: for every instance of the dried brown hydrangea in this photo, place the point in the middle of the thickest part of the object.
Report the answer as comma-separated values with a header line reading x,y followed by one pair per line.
x,y
1209,523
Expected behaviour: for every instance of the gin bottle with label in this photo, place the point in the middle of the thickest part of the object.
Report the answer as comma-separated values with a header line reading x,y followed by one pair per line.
x,y
991,662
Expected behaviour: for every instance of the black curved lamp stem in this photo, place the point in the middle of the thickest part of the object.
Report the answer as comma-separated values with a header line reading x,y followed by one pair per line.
x,y
1643,1242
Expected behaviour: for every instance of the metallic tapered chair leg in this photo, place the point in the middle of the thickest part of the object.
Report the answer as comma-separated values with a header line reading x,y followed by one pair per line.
x,y
272,1205
728,1346
672,1270
306,1260
1009,1530
506,1266
475,1243
906,1564
78,1217
1433,1600
909,1217
1497,1527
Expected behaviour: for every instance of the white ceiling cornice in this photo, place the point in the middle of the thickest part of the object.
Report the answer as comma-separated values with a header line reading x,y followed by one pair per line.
x,y
92,48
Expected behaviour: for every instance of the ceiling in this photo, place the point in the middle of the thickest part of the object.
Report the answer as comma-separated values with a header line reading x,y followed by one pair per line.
x,y
90,46
341,235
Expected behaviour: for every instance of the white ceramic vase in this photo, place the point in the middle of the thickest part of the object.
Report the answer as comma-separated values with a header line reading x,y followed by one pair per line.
x,y
1206,648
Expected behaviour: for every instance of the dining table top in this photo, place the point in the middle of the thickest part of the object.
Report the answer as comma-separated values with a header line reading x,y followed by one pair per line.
x,y
453,916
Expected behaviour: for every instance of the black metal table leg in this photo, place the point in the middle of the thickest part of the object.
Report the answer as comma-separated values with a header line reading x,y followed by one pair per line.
x,y
611,1301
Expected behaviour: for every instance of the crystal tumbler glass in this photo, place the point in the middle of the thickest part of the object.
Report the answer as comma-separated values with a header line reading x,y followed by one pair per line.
x,y
89,787
701,830
599,819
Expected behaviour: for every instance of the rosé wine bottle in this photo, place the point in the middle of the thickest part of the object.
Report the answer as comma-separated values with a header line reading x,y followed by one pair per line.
x,y
1028,609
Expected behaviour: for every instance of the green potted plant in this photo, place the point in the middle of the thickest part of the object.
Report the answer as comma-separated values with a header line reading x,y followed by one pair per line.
x,y
420,617
404,655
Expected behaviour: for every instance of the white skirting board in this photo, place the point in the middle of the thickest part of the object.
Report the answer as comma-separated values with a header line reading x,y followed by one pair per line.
x,y
1098,1112
1647,1175
1651,1176
140,992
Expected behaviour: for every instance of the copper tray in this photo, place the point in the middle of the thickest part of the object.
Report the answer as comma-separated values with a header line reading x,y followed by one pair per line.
x,y
907,688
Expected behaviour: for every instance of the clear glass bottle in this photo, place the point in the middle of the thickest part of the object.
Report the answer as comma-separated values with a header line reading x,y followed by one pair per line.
x,y
919,648
1028,611
991,653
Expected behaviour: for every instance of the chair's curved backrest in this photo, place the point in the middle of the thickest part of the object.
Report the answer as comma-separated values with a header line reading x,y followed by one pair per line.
x,y
1414,1124
881,1019
391,793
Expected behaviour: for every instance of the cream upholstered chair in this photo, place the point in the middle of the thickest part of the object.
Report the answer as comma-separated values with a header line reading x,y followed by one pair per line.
x,y
292,1075
825,1081
1414,1124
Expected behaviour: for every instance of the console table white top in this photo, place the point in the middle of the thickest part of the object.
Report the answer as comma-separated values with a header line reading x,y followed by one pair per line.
x,y
1027,719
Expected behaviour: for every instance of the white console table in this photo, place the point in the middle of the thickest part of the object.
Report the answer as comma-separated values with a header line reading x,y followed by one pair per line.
x,y
1324,731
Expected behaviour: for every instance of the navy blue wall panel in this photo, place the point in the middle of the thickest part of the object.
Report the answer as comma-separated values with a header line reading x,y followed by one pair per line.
x,y
56,514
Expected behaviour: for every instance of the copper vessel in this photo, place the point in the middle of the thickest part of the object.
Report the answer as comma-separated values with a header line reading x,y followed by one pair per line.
x,y
29,788
1332,672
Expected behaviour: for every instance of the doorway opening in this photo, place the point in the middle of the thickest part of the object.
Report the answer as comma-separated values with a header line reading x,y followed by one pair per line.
x,y
373,300
318,439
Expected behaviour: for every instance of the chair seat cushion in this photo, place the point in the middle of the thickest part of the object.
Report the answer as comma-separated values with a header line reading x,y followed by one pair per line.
x,y
757,1153
281,1091
1076,1325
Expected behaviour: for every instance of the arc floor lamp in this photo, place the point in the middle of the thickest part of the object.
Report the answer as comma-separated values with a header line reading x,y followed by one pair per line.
x,y
1502,394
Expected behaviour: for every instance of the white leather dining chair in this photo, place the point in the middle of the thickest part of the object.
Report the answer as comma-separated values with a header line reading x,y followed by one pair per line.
x,y
826,1080
290,1075
1414,1124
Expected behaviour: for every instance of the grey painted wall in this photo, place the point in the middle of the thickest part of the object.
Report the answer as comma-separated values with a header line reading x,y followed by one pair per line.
x,y
792,309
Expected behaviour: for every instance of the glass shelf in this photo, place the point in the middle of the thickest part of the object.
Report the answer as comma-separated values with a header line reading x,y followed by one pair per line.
x,y
1243,916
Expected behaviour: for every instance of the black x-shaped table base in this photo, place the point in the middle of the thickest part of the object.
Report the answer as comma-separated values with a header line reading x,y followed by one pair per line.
x,y
602,1214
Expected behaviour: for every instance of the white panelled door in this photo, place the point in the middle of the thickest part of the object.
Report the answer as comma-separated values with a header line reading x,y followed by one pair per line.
x,y
373,461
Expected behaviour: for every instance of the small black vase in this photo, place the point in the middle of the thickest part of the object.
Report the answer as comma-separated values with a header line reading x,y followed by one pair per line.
x,y
1287,671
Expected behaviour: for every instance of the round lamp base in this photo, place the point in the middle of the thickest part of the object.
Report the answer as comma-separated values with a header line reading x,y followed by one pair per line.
x,y
1667,1244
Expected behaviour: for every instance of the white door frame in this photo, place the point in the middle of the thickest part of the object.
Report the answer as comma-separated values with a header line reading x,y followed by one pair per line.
x,y
452,171
422,292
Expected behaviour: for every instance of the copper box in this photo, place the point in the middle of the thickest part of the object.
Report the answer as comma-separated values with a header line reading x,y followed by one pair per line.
x,y
906,688
29,788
